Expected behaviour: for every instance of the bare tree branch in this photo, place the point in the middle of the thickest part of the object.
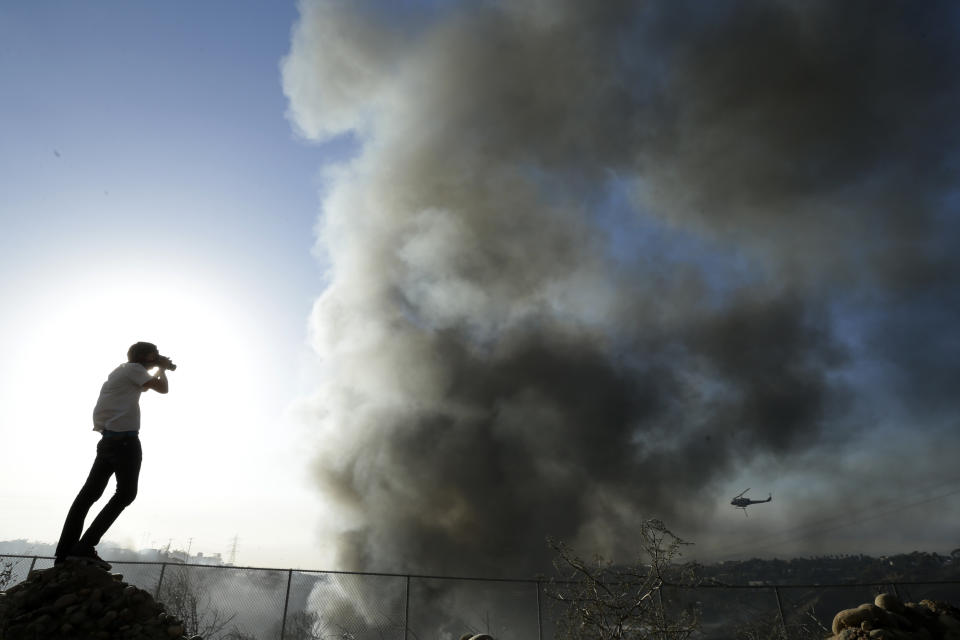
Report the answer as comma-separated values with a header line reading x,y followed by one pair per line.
x,y
606,601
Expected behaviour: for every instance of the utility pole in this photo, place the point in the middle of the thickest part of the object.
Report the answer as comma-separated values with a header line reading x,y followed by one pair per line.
x,y
233,551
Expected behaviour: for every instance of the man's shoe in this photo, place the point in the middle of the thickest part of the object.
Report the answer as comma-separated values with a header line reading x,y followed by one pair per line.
x,y
88,555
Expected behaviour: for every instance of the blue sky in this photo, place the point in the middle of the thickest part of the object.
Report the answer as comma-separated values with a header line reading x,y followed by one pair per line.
x,y
166,121
150,173
582,263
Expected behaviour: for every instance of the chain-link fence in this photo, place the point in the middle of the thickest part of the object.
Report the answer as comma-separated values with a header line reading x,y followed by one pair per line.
x,y
243,603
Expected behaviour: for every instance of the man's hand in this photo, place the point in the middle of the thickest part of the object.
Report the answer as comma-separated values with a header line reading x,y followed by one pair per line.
x,y
159,382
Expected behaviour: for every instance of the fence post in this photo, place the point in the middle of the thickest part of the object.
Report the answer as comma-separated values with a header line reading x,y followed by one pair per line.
x,y
33,563
163,569
286,603
783,623
662,613
539,614
406,613
896,593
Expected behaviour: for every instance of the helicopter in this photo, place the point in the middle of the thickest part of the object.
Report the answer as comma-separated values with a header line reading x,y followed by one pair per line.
x,y
742,503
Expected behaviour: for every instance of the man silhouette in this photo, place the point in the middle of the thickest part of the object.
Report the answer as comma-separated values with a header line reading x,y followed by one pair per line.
x,y
117,418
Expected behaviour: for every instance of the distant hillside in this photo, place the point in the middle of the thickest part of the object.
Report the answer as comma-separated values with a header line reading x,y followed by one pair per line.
x,y
112,552
24,547
917,566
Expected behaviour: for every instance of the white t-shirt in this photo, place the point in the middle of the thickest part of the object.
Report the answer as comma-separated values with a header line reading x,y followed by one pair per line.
x,y
118,408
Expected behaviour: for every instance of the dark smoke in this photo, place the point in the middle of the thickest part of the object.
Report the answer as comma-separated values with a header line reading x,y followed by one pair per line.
x,y
514,351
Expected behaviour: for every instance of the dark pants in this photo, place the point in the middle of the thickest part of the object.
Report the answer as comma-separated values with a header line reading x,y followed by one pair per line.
x,y
120,456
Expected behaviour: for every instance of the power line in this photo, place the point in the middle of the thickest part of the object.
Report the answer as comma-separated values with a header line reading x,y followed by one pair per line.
x,y
845,520
844,517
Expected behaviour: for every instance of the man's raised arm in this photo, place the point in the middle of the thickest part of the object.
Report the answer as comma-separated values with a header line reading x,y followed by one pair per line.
x,y
158,383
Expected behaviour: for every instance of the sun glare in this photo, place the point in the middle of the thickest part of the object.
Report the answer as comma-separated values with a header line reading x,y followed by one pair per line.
x,y
92,324
60,347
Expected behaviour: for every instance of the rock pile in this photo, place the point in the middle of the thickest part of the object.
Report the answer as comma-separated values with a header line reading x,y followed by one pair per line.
x,y
81,602
890,619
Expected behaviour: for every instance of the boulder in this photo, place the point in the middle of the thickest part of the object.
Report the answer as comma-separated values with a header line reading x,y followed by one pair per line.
x,y
890,603
83,602
887,618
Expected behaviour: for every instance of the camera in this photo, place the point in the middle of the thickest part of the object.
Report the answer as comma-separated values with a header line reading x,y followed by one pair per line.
x,y
166,363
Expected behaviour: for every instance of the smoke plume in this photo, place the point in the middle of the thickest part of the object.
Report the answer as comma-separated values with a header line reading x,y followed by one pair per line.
x,y
591,258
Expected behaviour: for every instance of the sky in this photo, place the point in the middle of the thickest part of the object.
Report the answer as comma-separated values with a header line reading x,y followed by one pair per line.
x,y
153,190
444,279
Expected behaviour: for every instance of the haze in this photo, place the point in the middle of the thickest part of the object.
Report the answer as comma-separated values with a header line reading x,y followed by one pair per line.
x,y
444,279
